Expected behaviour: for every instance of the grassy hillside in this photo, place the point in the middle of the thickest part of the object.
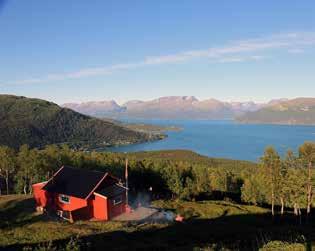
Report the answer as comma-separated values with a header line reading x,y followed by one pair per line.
x,y
37,122
297,111
210,225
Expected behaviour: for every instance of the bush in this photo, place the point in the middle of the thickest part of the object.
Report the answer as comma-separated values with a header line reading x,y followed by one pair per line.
x,y
282,246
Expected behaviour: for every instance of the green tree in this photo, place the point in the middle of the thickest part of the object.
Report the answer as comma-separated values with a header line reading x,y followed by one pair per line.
x,y
296,189
201,174
254,190
31,168
284,190
307,153
7,165
271,163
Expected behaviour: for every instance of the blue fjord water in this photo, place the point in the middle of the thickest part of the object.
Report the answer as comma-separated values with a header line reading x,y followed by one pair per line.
x,y
226,139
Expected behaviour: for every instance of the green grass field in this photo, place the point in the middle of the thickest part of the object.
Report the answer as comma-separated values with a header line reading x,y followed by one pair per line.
x,y
209,225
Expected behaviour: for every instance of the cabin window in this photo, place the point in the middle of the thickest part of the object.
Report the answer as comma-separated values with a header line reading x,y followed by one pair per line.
x,y
64,199
117,200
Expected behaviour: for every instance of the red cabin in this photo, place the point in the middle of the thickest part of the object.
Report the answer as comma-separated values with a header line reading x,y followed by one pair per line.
x,y
78,194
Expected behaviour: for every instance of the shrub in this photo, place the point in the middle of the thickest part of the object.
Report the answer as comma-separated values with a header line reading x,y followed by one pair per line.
x,y
282,246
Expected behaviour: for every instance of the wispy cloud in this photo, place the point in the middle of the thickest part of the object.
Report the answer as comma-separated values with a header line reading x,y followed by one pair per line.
x,y
296,51
242,59
236,51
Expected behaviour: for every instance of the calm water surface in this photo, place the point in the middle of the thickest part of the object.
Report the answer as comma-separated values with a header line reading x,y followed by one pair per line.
x,y
225,139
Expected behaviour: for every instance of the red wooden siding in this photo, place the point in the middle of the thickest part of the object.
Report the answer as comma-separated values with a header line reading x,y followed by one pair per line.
x,y
74,203
115,210
40,195
100,209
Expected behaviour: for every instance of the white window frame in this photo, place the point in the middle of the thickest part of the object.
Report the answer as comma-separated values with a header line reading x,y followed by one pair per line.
x,y
61,196
117,200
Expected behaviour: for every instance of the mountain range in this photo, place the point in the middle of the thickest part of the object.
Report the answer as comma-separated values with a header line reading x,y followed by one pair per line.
x,y
38,122
299,111
171,107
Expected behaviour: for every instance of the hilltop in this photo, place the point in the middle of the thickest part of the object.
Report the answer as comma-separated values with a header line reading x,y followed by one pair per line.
x,y
300,111
38,122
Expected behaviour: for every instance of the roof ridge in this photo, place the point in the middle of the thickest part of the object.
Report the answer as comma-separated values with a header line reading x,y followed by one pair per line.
x,y
73,181
84,169
97,185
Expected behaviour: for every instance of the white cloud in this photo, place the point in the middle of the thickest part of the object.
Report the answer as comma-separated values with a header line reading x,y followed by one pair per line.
x,y
241,59
237,51
231,60
296,51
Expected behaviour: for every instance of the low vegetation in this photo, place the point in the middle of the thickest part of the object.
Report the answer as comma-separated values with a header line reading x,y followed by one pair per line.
x,y
19,219
283,246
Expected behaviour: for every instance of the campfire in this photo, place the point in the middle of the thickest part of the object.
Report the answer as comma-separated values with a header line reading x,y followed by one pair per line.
x,y
179,218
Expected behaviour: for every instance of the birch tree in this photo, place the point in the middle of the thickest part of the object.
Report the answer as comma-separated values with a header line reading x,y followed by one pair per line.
x,y
271,163
7,165
307,153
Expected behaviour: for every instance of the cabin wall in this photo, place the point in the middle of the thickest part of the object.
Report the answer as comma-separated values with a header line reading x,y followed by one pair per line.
x,y
81,214
41,196
99,206
74,203
115,210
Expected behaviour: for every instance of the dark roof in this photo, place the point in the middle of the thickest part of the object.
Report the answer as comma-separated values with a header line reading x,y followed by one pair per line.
x,y
112,191
74,182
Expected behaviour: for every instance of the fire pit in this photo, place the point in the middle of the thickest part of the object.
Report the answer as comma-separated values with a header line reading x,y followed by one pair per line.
x,y
163,216
149,215
139,214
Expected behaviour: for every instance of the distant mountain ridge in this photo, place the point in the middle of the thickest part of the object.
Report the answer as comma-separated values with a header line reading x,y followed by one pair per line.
x,y
276,111
299,111
96,108
38,122
170,107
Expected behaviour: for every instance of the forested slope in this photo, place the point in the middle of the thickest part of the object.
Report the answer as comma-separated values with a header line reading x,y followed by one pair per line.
x,y
38,122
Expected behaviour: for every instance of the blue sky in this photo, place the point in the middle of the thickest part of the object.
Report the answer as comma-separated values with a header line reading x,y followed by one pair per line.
x,y
76,50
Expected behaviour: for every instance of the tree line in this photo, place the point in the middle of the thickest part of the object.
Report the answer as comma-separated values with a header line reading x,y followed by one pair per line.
x,y
278,182
285,182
